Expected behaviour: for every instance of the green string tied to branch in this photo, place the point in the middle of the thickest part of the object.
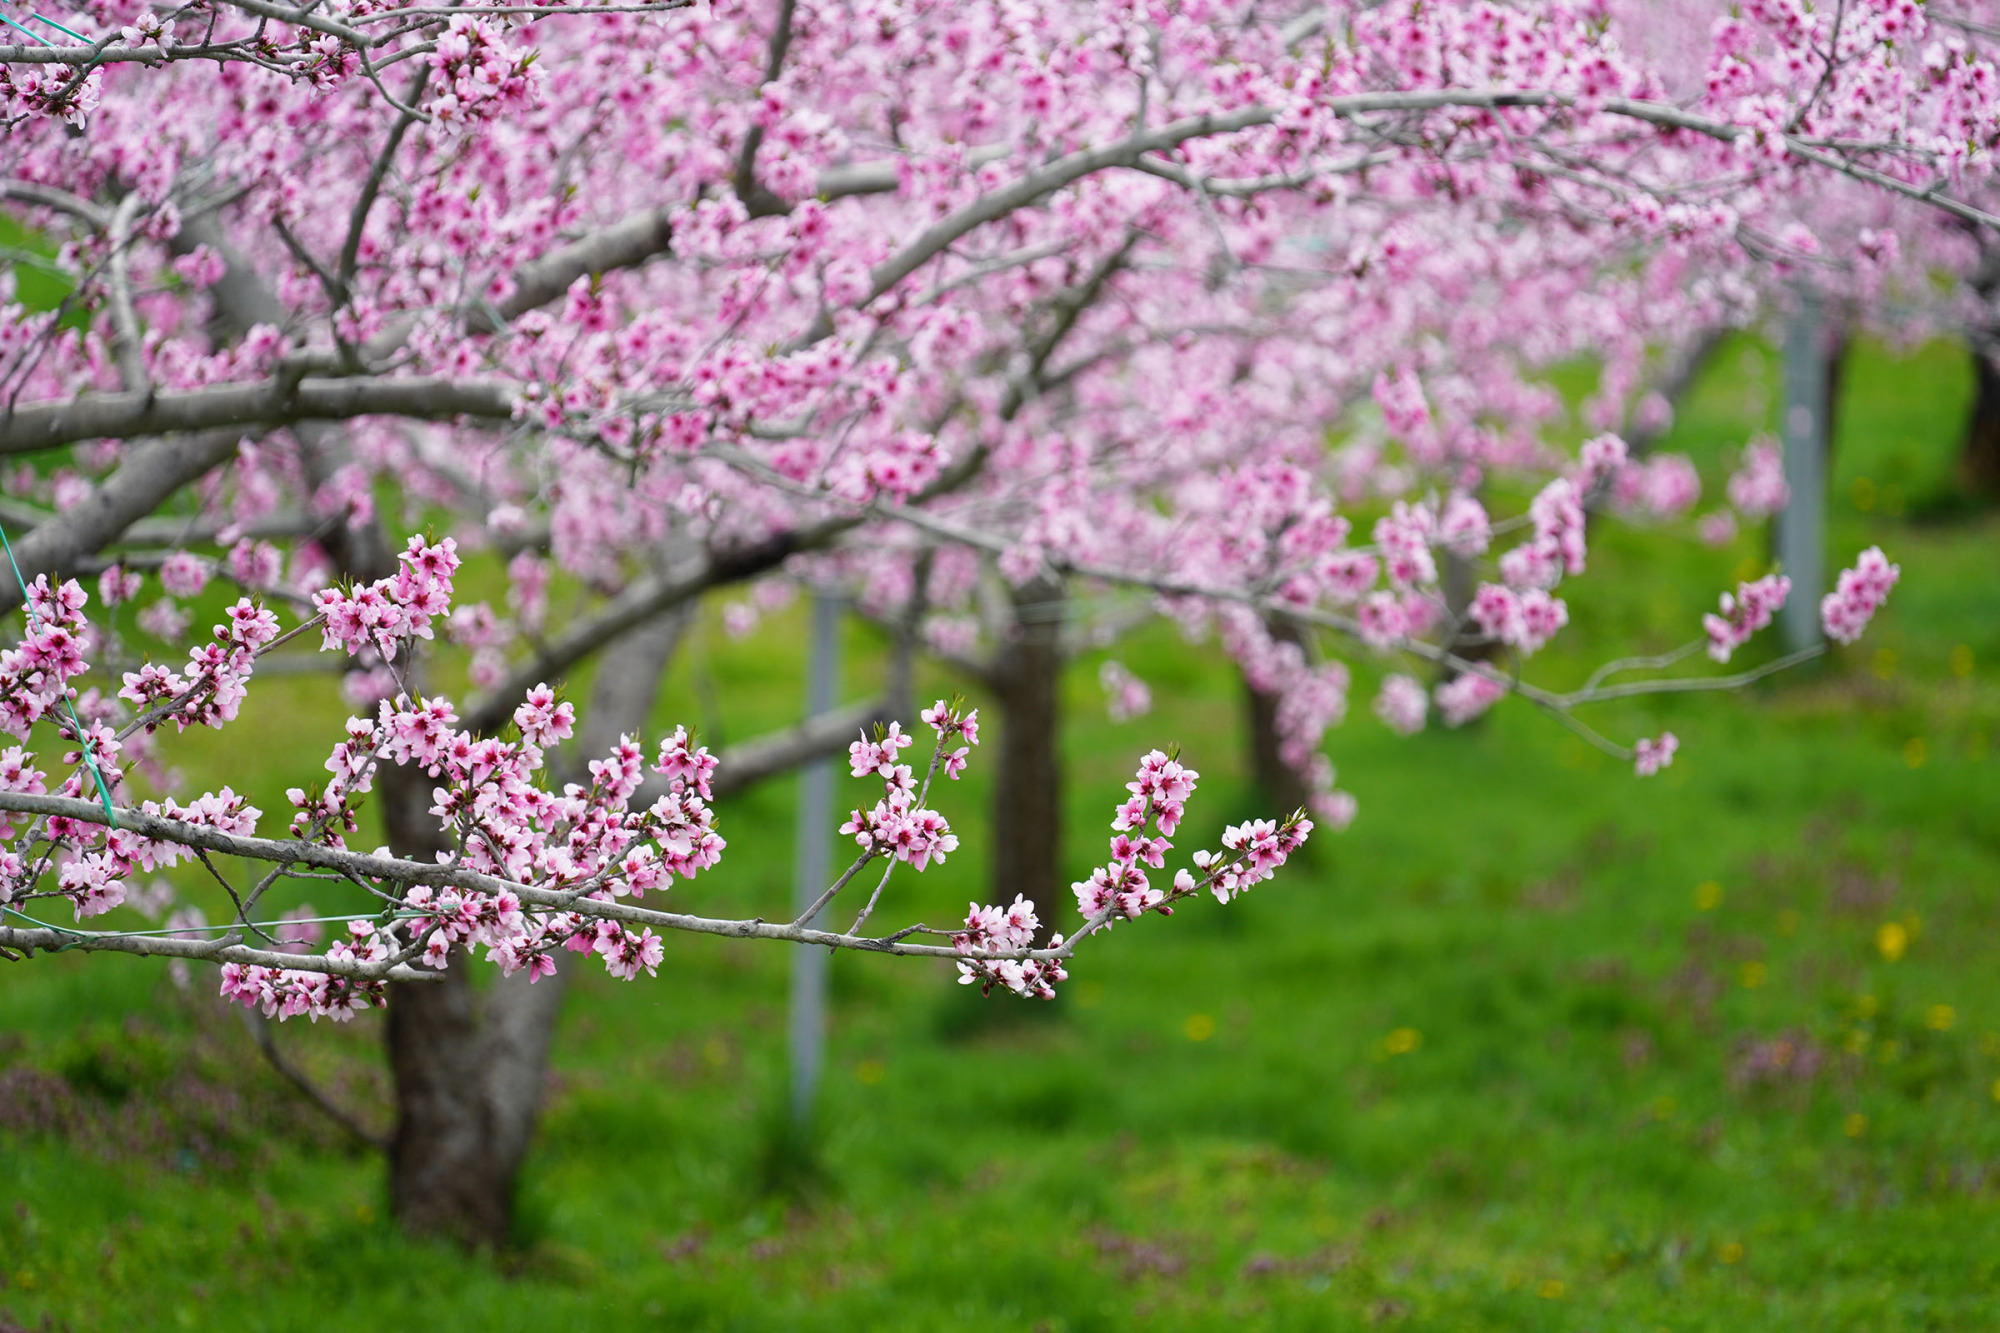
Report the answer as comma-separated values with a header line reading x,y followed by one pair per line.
x,y
76,937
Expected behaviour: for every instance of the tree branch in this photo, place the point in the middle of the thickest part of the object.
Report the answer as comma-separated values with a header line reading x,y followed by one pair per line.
x,y
641,600
394,870
47,425
364,203
135,490
759,201
58,939
766,756
260,1031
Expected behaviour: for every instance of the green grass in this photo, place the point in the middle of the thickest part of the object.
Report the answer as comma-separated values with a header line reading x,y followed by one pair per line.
x,y
1494,1059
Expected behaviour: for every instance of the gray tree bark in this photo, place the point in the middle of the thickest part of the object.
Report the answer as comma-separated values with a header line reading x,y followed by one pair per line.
x,y
155,471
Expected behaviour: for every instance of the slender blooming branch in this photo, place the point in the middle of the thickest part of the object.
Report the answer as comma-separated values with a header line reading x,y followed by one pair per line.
x,y
532,870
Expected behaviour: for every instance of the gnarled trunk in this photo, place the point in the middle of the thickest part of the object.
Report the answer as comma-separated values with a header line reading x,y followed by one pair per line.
x,y
469,1066
1026,678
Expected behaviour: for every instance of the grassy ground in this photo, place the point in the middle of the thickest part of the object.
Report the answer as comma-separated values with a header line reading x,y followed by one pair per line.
x,y
1535,1045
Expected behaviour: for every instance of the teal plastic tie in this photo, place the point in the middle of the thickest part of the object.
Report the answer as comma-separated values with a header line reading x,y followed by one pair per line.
x,y
30,31
44,18
34,618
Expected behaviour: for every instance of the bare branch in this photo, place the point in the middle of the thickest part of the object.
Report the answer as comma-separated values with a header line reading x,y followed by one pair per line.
x,y
752,761
364,203
61,201
125,340
37,426
759,201
136,489
260,1030
57,939
641,600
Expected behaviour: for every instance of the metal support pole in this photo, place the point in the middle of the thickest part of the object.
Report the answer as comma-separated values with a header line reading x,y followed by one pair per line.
x,y
1801,527
806,1036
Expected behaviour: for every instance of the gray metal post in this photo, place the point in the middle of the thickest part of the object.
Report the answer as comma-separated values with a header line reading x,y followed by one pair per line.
x,y
1801,527
807,1033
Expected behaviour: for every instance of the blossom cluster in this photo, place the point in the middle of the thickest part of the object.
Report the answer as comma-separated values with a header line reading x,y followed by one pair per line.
x,y
211,689
1559,544
1467,695
1744,612
1142,835
1758,487
1251,853
585,842
1663,486
899,826
283,993
35,675
1857,595
97,867
479,75
1524,620
1650,755
1127,696
1402,703
1007,929
1159,796
387,613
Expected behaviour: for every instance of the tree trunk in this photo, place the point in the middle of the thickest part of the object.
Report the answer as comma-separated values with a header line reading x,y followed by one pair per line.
x,y
1460,584
1980,455
1280,785
469,1067
1026,677
1811,368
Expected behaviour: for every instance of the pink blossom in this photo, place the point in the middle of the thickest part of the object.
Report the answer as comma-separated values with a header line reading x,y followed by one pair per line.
x,y
1663,486
1401,398
1744,613
1129,697
117,585
1602,456
1382,620
1403,703
1650,756
1758,488
1465,696
1718,528
1857,595
184,575
1557,512
1464,527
